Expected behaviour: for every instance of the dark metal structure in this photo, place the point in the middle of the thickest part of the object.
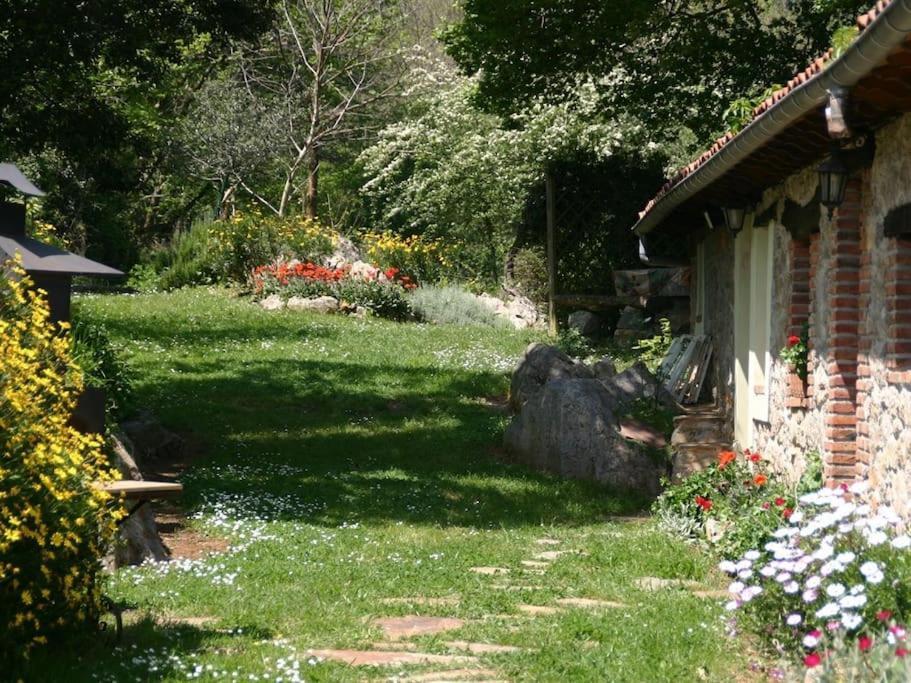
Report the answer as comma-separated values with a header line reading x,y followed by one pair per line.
x,y
51,269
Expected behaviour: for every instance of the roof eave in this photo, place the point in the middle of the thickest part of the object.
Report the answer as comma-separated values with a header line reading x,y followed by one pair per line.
x,y
885,33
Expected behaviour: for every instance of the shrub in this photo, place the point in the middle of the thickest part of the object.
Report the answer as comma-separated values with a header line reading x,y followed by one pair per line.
x,y
733,505
422,259
249,239
836,568
881,657
54,525
103,368
652,350
530,273
573,343
451,305
382,292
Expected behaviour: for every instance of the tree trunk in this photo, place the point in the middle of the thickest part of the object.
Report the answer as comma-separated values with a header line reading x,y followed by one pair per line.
x,y
312,182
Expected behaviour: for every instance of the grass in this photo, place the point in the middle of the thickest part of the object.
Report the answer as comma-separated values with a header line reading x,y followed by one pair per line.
x,y
352,461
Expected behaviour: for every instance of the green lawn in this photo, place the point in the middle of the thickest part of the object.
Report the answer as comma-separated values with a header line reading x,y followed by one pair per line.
x,y
353,461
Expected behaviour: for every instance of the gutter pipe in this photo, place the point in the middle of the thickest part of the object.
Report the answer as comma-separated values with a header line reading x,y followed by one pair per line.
x,y
885,33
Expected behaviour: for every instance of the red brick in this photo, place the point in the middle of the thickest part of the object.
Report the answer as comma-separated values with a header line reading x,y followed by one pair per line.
x,y
894,377
840,433
841,408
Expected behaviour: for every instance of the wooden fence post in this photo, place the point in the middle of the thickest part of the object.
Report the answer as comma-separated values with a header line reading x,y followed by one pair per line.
x,y
551,254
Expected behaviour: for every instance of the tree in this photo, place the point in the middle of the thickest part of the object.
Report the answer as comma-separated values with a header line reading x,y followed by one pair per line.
x,y
315,78
672,63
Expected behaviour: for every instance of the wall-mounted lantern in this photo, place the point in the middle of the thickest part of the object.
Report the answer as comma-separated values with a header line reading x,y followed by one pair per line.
x,y
734,218
833,179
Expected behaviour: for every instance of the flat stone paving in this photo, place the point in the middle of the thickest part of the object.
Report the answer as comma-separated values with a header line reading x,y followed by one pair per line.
x,y
396,628
489,571
477,675
388,658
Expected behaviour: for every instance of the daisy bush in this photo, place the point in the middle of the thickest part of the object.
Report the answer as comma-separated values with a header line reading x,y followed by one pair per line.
x,y
54,524
836,572
732,505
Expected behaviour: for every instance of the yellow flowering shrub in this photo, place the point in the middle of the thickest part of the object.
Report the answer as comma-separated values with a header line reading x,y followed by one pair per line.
x,y
249,239
424,259
54,525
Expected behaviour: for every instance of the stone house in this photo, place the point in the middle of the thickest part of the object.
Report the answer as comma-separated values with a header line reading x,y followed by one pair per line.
x,y
801,223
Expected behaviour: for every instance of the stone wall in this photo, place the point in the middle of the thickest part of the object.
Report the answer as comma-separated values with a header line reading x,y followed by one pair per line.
x,y
857,407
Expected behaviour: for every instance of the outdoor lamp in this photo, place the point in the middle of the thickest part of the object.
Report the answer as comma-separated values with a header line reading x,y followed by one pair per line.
x,y
734,218
833,179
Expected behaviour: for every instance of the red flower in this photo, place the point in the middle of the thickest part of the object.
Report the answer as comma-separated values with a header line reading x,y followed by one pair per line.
x,y
725,458
704,503
884,615
779,501
864,643
793,340
812,660
787,512
755,457
900,652
760,480
766,505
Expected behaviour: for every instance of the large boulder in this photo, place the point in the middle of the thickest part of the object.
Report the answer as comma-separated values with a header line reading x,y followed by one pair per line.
x,y
637,382
344,251
518,311
539,365
151,441
569,428
585,322
605,369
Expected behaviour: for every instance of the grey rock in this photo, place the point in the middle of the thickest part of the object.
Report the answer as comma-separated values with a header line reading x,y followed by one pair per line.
x,y
317,304
587,323
344,252
637,382
570,429
137,538
519,311
272,303
632,319
604,369
539,365
150,440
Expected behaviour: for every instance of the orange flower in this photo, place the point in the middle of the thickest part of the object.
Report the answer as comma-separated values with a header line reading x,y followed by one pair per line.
x,y
760,480
725,458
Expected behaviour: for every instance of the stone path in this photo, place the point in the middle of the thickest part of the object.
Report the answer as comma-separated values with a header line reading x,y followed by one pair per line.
x,y
398,649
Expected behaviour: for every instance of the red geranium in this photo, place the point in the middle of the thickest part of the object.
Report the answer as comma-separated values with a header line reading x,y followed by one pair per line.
x,y
755,457
864,643
787,512
704,503
780,501
884,615
793,340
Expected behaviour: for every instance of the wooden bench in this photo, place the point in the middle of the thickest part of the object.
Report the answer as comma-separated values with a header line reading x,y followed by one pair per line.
x,y
140,491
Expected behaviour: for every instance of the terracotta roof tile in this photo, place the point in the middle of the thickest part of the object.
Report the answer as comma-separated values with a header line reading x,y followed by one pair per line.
x,y
814,69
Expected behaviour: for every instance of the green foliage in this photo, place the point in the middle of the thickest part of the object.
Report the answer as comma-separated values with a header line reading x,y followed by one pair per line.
x,y
740,112
529,272
573,343
652,350
732,505
452,305
812,478
384,299
842,39
103,367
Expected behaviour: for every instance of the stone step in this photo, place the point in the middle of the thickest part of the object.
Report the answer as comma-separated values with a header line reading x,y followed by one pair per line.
x,y
690,458
699,430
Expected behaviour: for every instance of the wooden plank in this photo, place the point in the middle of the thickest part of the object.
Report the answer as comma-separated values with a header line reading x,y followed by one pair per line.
x,y
140,490
685,365
551,254
597,302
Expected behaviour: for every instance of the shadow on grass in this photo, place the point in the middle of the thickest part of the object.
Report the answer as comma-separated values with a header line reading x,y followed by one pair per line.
x,y
370,443
148,651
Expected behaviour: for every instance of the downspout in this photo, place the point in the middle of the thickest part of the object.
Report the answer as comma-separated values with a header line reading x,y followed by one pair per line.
x,y
885,33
